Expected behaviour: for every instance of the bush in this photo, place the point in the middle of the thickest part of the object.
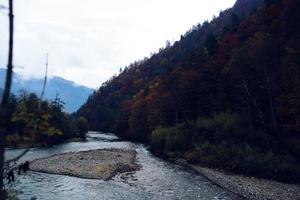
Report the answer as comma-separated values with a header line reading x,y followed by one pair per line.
x,y
170,139
13,140
83,126
244,159
226,121
221,126
219,142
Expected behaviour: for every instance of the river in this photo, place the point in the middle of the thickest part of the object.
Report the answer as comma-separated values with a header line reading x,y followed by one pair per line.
x,y
157,179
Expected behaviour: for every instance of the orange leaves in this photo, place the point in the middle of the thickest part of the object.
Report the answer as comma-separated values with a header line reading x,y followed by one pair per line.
x,y
229,42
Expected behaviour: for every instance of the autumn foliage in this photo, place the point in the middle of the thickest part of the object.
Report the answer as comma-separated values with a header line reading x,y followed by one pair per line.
x,y
226,95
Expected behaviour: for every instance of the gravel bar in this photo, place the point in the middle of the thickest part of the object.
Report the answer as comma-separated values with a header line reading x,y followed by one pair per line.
x,y
248,187
94,164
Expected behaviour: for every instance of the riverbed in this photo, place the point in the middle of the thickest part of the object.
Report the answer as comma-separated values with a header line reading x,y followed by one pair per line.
x,y
157,179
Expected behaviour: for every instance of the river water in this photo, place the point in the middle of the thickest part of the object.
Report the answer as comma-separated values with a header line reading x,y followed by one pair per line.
x,y
157,179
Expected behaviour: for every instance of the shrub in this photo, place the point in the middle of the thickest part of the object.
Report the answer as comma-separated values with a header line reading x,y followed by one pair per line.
x,y
244,159
13,140
83,126
170,139
218,127
226,121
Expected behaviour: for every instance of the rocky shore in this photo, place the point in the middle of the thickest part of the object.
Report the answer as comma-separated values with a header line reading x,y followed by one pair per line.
x,y
94,164
247,187
105,163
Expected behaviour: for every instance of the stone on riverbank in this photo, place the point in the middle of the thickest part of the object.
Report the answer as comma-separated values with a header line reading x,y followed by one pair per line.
x,y
95,164
247,187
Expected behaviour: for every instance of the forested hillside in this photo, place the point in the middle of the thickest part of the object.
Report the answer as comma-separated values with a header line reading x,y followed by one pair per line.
x,y
226,95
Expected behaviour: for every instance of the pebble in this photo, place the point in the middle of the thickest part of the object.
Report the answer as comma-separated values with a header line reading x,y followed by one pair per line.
x,y
248,187
95,164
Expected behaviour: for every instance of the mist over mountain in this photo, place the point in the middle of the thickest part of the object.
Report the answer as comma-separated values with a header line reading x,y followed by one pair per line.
x,y
70,93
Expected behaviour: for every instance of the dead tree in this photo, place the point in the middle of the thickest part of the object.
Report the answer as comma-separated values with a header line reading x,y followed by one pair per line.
x,y
6,94
35,128
12,164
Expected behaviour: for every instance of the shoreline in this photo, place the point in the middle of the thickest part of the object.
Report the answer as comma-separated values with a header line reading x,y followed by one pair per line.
x,y
106,163
25,145
246,187
100,164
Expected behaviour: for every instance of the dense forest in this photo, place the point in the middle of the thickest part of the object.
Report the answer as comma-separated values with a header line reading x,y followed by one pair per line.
x,y
38,123
226,95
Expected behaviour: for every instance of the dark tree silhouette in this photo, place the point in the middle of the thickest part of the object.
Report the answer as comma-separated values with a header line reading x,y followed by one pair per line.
x,y
6,94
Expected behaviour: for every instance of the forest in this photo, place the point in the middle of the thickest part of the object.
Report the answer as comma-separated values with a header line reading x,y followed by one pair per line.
x,y
36,123
226,95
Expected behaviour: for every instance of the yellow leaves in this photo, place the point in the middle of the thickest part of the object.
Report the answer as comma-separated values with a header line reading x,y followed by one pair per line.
x,y
51,131
139,83
46,116
154,85
20,115
164,61
34,123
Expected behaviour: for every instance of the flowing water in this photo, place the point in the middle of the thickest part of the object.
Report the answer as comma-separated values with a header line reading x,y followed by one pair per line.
x,y
157,179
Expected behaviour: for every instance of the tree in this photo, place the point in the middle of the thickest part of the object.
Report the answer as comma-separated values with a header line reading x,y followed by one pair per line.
x,y
235,22
211,44
271,2
20,117
83,126
291,20
6,94
249,75
10,108
138,118
37,124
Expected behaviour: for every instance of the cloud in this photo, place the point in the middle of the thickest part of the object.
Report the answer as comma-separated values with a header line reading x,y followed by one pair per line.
x,y
88,41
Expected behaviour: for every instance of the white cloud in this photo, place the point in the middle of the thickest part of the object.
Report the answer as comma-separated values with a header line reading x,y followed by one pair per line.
x,y
88,41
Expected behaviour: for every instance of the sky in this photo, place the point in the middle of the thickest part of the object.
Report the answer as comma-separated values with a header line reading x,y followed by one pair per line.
x,y
88,41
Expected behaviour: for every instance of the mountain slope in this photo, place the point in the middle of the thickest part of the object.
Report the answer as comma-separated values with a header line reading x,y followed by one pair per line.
x,y
73,95
226,95
189,51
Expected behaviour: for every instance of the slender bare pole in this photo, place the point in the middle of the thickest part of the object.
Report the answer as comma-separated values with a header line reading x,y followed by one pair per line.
x,y
44,83
6,94
41,99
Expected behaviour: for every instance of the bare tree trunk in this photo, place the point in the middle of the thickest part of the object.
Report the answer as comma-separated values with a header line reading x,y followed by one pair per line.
x,y
253,100
270,94
2,193
6,95
35,128
44,83
249,114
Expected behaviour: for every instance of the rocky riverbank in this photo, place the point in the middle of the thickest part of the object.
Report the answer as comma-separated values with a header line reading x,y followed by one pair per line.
x,y
247,187
95,164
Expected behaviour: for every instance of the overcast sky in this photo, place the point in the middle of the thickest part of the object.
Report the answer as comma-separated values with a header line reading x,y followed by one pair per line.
x,y
89,40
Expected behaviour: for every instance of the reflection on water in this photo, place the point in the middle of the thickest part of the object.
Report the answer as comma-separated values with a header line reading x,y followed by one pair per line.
x,y
157,179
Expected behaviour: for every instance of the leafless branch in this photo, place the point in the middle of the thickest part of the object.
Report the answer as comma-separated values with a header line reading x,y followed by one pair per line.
x,y
253,100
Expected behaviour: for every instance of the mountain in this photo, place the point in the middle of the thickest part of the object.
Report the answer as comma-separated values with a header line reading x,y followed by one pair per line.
x,y
72,94
226,95
138,76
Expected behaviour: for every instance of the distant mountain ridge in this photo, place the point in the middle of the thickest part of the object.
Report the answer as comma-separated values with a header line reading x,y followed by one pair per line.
x,y
72,94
